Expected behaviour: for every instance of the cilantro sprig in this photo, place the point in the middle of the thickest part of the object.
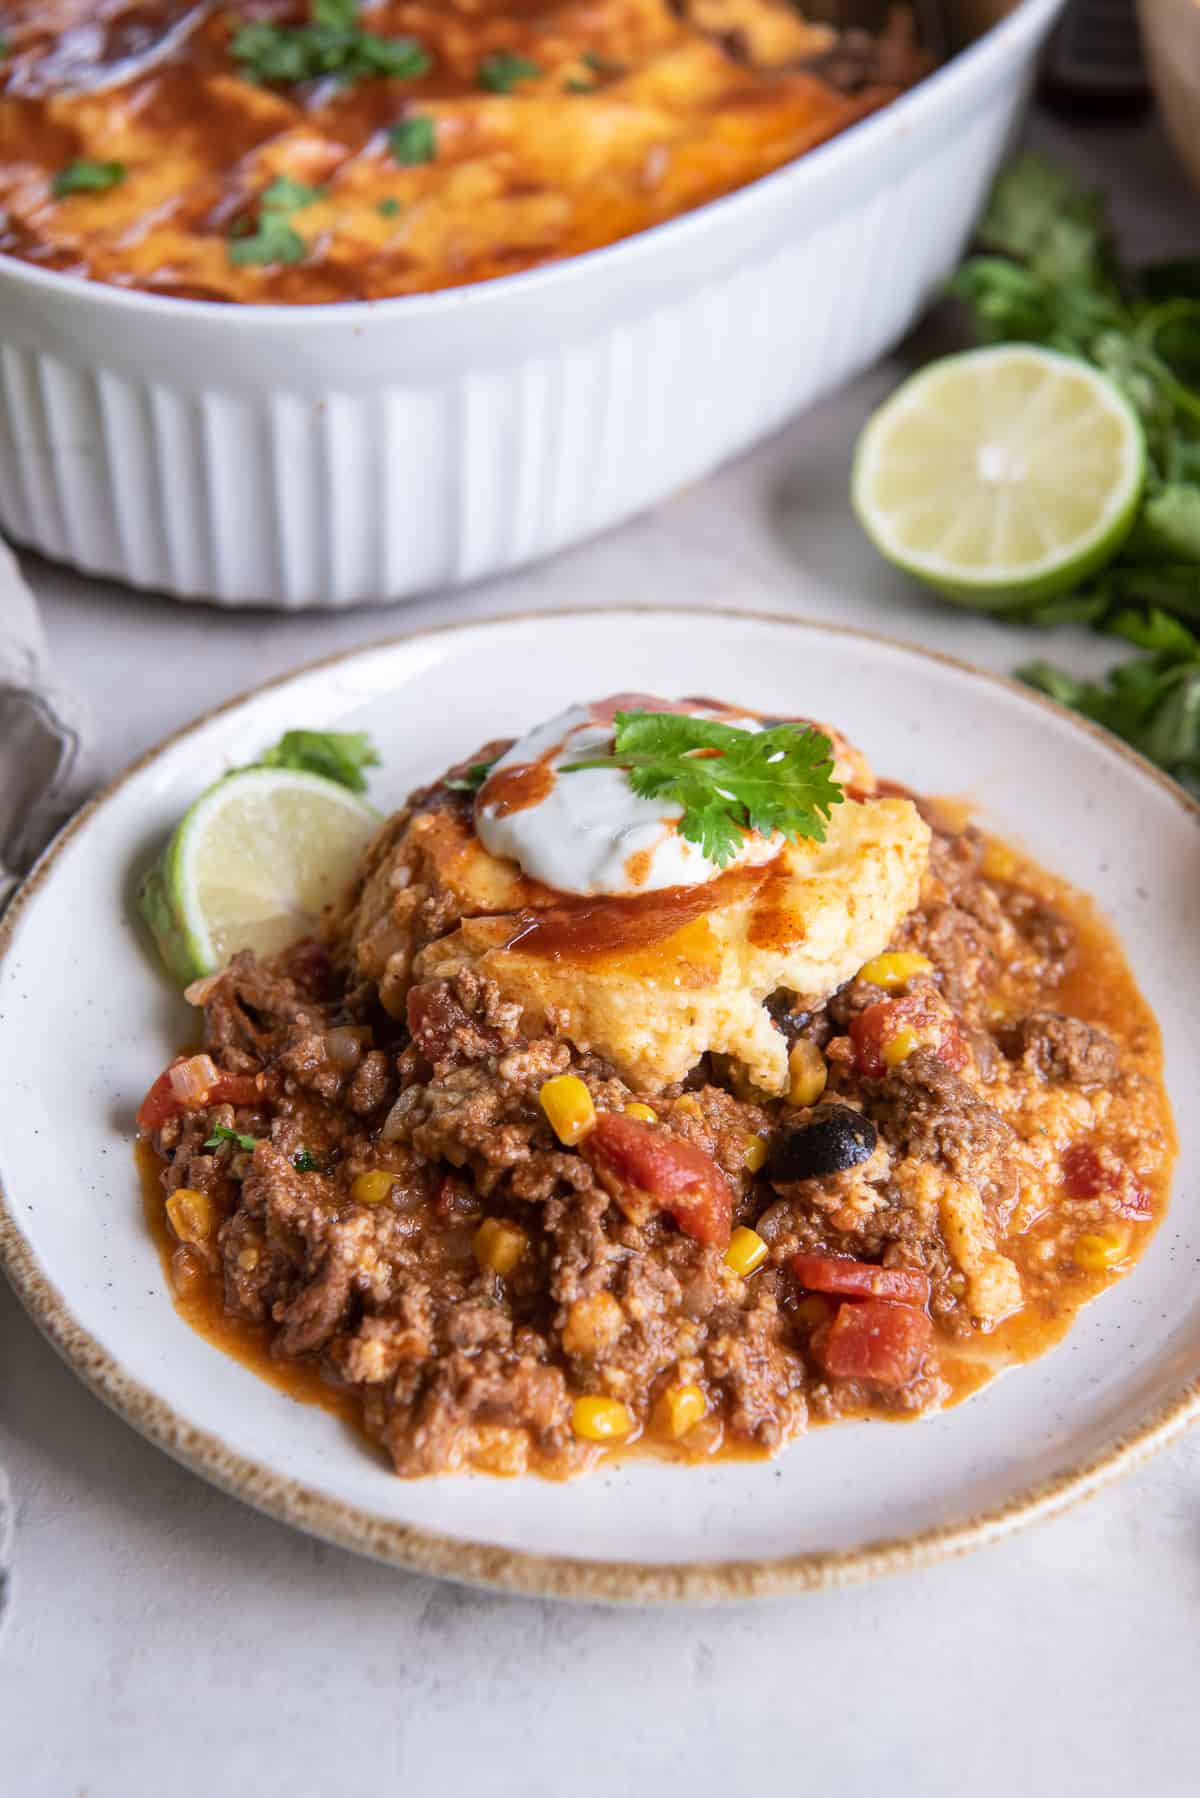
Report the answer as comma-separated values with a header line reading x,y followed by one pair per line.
x,y
339,755
1152,700
500,72
728,780
276,239
473,779
413,140
84,176
222,1133
331,44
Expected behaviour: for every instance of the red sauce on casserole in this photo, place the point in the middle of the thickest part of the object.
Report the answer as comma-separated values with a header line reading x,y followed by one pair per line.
x,y
203,153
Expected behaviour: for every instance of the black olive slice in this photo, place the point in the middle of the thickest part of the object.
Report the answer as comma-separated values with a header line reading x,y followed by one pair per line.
x,y
834,1138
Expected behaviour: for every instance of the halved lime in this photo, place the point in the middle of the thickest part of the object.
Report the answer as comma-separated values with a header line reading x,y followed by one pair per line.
x,y
251,865
1001,477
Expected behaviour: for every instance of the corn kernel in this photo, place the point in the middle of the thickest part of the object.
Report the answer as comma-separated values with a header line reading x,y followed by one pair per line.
x,y
567,1103
756,1154
807,1073
688,1105
247,1260
372,1188
746,1251
995,1009
900,1045
499,1245
601,1419
680,1408
997,861
191,1214
646,1112
1097,1250
893,971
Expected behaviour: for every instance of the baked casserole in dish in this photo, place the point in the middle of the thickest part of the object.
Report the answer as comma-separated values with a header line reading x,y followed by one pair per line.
x,y
601,245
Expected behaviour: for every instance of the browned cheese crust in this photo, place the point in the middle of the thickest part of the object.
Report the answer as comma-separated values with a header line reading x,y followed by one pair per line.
x,y
629,112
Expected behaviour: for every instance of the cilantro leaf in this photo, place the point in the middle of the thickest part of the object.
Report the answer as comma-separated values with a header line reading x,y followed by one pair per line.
x,y
275,239
84,176
727,780
305,1162
413,140
331,44
388,207
222,1133
1151,701
338,755
472,780
501,71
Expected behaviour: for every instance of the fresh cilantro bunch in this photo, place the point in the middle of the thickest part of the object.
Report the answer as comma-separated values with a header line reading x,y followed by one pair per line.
x,y
1152,701
1049,273
339,755
331,44
728,780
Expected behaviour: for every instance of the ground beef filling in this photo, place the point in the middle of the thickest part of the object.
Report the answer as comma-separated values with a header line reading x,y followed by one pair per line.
x,y
335,1199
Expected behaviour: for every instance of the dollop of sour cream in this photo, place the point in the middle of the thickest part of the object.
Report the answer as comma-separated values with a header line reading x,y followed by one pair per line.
x,y
587,831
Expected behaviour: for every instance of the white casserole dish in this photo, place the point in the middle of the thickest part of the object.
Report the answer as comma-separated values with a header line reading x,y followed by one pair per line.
x,y
332,455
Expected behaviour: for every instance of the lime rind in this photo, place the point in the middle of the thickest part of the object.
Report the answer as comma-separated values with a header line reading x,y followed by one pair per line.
x,y
917,412
251,897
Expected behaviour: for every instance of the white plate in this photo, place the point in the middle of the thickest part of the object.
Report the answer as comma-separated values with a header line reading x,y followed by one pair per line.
x,y
87,1023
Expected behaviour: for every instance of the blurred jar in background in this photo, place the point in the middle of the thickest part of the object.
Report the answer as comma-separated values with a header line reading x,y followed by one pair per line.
x,y
1093,65
1171,31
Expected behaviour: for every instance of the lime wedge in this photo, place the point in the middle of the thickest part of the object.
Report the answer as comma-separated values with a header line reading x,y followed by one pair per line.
x,y
1001,477
251,866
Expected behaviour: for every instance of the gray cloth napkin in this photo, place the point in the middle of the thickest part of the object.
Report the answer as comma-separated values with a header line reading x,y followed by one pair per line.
x,y
42,769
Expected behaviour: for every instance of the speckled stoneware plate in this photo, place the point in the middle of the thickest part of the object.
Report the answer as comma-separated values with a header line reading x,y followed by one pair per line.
x,y
87,1021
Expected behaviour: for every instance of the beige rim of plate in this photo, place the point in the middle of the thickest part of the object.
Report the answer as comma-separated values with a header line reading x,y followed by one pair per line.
x,y
426,1551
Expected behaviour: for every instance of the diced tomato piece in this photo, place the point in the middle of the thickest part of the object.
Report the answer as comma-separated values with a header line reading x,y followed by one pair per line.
x,y
936,1028
440,1025
870,1339
861,1279
160,1102
235,1089
672,1174
163,1103
1083,1175
1087,1176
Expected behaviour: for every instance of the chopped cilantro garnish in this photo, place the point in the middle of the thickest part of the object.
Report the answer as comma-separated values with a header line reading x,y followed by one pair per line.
x,y
331,44
501,71
727,780
339,755
575,86
276,240
305,1162
413,139
473,779
86,177
5,47
388,208
222,1133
